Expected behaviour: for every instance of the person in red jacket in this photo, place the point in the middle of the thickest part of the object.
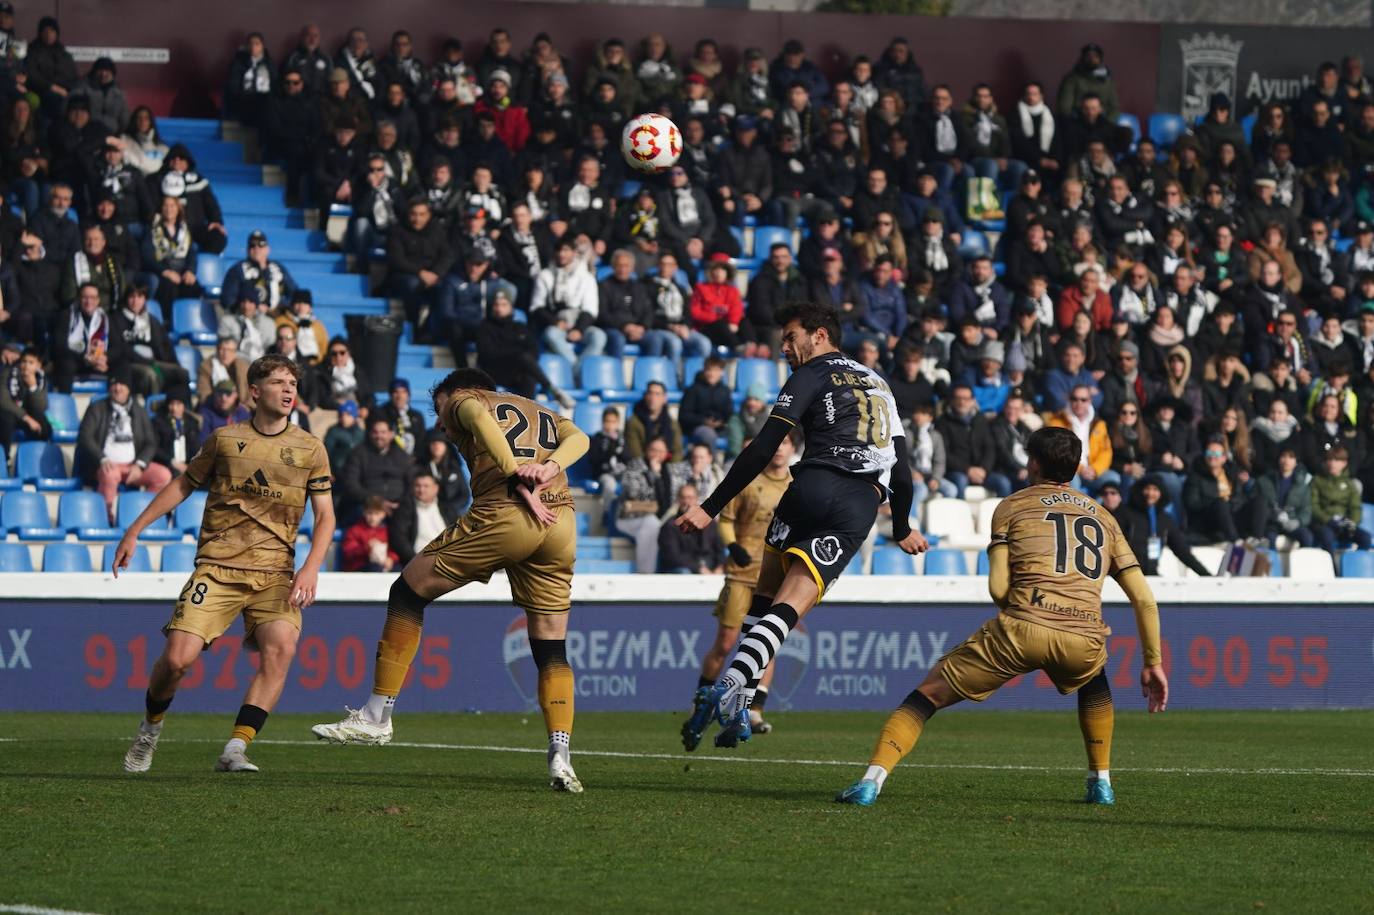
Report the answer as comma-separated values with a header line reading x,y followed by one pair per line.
x,y
1086,296
717,307
512,120
366,547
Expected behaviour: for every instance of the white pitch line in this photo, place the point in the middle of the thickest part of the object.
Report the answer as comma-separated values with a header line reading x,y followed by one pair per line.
x,y
21,909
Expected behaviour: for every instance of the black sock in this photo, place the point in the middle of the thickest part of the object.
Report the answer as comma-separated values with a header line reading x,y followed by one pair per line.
x,y
704,681
760,698
756,650
155,708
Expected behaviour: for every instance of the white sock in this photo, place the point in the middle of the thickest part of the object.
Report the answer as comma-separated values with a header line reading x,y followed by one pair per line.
x,y
876,774
235,744
559,744
378,708
150,727
735,678
1101,775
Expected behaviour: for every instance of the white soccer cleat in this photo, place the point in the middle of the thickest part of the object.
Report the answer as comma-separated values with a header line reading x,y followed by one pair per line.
x,y
355,729
561,775
234,761
140,755
757,724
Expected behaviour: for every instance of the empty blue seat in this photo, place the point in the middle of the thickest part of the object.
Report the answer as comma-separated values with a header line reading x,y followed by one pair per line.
x,y
190,512
749,372
559,370
133,502
139,562
83,513
62,416
973,244
765,237
188,357
66,557
629,188
1357,564
983,566
210,274
178,557
945,562
9,484
584,523
654,368
1166,128
603,375
90,385
42,464
593,548
738,233
330,286
604,566
587,416
194,320
14,557
691,366
891,560
26,514
1129,120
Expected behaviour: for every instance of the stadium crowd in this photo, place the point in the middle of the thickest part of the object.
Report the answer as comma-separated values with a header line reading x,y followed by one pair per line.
x,y
1201,315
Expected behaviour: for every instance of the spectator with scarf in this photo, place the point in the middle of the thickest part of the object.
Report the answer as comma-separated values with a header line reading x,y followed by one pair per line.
x,y
86,347
258,269
169,253
139,343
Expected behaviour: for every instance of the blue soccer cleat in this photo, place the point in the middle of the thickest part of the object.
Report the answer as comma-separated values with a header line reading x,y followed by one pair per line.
x,y
705,706
735,730
862,793
1100,792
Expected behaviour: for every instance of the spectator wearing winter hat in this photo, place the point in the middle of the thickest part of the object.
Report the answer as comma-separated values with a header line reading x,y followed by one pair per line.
x,y
110,175
612,63
49,67
512,119
107,104
258,269
471,289
791,66
179,179
1089,76
990,385
312,337
404,418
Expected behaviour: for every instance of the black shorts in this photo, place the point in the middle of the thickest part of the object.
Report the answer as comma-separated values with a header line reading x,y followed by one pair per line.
x,y
823,518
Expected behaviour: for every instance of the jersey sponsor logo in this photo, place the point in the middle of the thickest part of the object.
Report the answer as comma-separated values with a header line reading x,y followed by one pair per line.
x,y
242,445
827,550
259,485
783,402
288,457
778,532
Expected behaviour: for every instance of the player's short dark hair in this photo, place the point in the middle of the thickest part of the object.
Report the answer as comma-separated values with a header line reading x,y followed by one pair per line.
x,y
264,366
1057,451
812,316
463,380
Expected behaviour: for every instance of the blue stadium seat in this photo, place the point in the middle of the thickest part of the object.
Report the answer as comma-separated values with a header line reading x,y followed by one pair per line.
x,y
130,504
604,566
83,513
603,375
749,372
9,484
945,562
188,357
765,237
210,274
856,565
42,464
139,562
90,385
974,244
182,129
1166,128
327,287
560,372
1247,124
14,557
891,560
1367,517
66,557
190,512
983,566
593,548
62,416
603,271
26,514
654,368
584,524
1357,564
1129,120
194,320
587,416
739,240
178,557
629,188
691,367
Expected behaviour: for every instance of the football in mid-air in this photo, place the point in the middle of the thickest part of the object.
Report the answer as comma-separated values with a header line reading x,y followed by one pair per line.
x,y
651,143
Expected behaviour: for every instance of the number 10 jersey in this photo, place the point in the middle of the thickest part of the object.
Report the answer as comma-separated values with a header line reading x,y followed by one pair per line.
x,y
846,413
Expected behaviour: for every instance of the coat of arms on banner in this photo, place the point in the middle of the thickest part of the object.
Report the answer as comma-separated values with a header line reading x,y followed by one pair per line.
x,y
1210,63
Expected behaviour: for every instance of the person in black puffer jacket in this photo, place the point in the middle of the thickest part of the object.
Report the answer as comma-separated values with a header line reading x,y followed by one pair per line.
x,y
506,351
1149,528
706,405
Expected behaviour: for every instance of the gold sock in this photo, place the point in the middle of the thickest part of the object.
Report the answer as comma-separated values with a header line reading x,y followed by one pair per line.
x,y
1096,718
556,697
901,731
244,732
400,640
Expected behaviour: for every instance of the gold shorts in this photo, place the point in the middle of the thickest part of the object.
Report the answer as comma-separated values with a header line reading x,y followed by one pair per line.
x,y
733,603
1006,647
538,560
214,596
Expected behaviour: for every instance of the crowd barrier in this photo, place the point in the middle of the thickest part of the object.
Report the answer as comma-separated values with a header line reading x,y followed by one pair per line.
x,y
85,643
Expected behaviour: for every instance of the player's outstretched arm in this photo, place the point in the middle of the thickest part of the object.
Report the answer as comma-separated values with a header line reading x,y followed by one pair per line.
x,y
747,466
172,495
307,580
1154,685
902,494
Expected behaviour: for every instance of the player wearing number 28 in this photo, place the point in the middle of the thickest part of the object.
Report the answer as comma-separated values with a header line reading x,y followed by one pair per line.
x,y
259,475
521,521
1051,549
855,458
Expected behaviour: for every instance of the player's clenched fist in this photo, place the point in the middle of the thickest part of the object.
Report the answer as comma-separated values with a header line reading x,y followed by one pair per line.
x,y
694,519
914,543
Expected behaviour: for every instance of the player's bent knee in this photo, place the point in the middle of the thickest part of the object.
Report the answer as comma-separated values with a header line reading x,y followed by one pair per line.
x,y
402,598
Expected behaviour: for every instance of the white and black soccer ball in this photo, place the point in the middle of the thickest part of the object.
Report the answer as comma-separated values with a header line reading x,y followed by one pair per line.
x,y
651,143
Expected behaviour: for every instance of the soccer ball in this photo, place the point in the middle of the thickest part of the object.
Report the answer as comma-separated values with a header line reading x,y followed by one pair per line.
x,y
651,143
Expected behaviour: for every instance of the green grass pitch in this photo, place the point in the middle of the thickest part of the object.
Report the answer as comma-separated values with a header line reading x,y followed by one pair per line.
x,y
1216,812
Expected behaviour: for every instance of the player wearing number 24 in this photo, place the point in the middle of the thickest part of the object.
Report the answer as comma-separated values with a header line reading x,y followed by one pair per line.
x,y
1051,549
259,475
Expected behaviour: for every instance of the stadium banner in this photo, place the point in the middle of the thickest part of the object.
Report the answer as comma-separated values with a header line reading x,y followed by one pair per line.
x,y
1253,65
87,655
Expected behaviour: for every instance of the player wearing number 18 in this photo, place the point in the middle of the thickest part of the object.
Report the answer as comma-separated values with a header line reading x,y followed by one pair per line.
x,y
259,475
1051,549
855,458
521,521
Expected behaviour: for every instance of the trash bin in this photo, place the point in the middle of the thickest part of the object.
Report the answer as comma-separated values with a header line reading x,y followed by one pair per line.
x,y
375,341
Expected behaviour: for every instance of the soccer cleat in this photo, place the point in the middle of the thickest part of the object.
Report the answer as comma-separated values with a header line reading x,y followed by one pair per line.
x,y
862,793
140,755
757,724
735,730
1100,792
355,729
234,761
561,775
705,706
